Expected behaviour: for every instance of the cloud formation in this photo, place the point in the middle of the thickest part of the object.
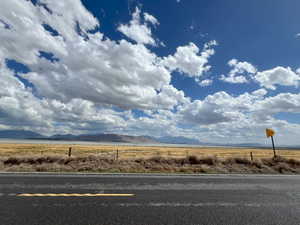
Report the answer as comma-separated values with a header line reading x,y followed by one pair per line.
x,y
277,76
70,86
138,31
238,72
189,60
81,81
114,73
205,83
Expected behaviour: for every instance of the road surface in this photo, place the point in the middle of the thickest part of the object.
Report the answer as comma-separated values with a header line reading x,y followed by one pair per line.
x,y
66,199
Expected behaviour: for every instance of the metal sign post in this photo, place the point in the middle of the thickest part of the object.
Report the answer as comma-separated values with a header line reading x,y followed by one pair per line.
x,y
271,133
274,151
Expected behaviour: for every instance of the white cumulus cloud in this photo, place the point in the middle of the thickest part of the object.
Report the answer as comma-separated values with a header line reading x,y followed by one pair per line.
x,y
138,31
89,66
189,60
205,83
151,19
238,72
277,76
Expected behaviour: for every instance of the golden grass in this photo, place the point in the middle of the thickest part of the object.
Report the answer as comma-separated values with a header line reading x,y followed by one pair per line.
x,y
129,152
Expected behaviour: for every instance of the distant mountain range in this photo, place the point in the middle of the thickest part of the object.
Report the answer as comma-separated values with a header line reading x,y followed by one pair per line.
x,y
19,134
24,134
103,138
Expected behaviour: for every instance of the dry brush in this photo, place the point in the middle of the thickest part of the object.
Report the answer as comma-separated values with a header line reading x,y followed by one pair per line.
x,y
157,164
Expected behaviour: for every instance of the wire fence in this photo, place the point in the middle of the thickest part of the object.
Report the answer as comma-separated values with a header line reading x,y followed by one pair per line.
x,y
134,154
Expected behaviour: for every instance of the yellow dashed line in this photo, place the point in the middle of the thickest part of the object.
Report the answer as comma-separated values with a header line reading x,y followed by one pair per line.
x,y
73,195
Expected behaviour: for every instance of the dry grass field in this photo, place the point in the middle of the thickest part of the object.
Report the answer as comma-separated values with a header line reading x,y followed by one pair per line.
x,y
145,159
132,152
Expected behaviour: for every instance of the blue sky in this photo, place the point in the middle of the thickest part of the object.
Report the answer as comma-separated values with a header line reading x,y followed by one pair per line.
x,y
210,70
260,32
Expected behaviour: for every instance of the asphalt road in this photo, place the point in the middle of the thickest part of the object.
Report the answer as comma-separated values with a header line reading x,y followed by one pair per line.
x,y
151,199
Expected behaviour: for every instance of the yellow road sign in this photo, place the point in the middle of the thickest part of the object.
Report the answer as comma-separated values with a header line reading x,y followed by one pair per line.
x,y
270,132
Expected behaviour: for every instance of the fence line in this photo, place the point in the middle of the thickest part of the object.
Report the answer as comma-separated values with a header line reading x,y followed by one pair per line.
x,y
133,154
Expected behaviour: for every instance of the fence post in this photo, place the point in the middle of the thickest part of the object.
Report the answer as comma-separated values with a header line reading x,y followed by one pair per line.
x,y
274,151
70,151
251,156
117,155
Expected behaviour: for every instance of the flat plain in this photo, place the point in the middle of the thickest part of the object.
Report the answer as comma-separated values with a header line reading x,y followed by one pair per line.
x,y
131,152
18,157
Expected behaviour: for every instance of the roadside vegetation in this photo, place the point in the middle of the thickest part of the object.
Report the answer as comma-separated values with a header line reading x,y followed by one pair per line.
x,y
145,159
157,164
134,152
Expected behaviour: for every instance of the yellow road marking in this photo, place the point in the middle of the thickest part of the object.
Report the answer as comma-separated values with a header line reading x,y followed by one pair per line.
x,y
72,195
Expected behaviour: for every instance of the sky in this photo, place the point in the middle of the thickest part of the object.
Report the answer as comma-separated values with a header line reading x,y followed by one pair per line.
x,y
213,70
